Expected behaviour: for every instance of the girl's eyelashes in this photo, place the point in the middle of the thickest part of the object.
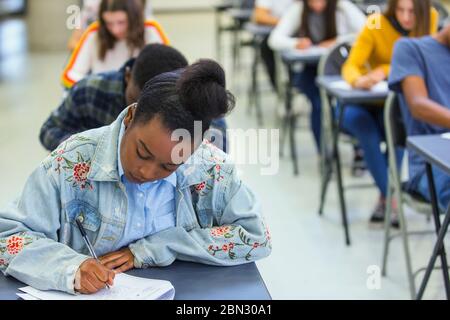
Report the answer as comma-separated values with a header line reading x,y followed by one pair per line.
x,y
164,167
141,156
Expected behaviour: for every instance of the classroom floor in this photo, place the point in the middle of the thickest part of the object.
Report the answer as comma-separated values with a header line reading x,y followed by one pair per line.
x,y
309,258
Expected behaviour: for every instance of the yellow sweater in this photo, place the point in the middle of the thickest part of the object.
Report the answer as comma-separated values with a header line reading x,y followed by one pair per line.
x,y
374,47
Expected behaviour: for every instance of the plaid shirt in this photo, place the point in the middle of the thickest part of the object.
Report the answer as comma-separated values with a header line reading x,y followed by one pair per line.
x,y
93,102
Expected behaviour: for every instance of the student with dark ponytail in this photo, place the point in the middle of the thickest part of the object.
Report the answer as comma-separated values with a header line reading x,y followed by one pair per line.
x,y
147,189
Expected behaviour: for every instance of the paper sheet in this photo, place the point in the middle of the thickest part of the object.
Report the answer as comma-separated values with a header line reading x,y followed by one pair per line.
x,y
310,52
26,296
125,287
344,85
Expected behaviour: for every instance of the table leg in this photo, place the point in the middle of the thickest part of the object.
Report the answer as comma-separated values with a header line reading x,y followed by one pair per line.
x,y
254,89
218,33
439,248
290,120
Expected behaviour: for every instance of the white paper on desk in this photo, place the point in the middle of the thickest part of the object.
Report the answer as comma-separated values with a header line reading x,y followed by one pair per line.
x,y
314,51
344,85
125,287
380,87
446,135
26,296
311,51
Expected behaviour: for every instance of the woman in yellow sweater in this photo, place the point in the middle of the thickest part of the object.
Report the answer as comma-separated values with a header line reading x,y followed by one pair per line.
x,y
369,64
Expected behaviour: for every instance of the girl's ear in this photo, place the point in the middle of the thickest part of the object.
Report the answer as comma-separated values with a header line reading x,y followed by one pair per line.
x,y
127,75
130,115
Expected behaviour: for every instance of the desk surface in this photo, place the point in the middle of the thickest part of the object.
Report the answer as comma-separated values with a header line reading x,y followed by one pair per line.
x,y
240,14
434,148
309,56
223,5
349,96
191,282
258,29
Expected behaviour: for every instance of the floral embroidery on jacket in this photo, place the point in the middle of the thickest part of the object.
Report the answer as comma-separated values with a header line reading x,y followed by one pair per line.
x,y
227,232
78,170
13,245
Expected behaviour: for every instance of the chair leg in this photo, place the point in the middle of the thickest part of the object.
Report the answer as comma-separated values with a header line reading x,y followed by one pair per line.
x,y
342,198
387,227
218,35
326,164
404,234
292,128
257,97
235,45
326,177
291,122
340,186
252,89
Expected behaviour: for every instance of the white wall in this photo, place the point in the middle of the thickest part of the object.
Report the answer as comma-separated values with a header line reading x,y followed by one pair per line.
x,y
181,4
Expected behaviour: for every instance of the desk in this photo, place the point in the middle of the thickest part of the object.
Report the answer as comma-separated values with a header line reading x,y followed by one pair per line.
x,y
354,96
259,33
220,8
435,150
343,97
240,17
291,58
191,282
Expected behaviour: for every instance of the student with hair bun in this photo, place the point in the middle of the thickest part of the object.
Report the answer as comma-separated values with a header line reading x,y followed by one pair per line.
x,y
144,198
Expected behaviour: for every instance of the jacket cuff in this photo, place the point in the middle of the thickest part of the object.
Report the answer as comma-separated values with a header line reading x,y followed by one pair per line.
x,y
139,261
70,272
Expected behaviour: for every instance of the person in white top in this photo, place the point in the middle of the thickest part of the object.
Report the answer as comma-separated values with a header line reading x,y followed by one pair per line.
x,y
349,21
106,45
309,23
88,15
269,12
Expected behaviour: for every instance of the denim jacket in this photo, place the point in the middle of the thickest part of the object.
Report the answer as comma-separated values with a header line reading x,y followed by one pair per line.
x,y
218,219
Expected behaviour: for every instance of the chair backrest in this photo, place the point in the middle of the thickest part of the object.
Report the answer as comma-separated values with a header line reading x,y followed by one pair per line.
x,y
441,9
331,63
244,4
395,127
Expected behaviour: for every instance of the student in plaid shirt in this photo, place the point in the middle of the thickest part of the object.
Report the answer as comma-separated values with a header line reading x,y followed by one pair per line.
x,y
98,99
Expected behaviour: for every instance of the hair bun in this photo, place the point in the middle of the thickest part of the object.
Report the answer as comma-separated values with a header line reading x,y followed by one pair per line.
x,y
201,88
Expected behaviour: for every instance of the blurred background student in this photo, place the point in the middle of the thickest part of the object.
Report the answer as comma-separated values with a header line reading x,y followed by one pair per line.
x,y
97,99
120,33
369,64
321,23
420,74
269,12
89,14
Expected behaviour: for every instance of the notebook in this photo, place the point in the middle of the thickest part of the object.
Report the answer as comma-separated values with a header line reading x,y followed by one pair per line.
x,y
125,287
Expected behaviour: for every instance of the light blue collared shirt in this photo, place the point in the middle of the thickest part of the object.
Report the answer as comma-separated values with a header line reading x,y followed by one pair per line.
x,y
151,205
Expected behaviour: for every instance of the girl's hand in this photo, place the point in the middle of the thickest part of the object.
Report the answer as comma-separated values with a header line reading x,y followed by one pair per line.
x,y
93,276
304,43
119,261
364,82
377,75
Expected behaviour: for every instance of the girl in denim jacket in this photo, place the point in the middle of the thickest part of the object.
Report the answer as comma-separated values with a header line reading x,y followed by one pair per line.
x,y
144,197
